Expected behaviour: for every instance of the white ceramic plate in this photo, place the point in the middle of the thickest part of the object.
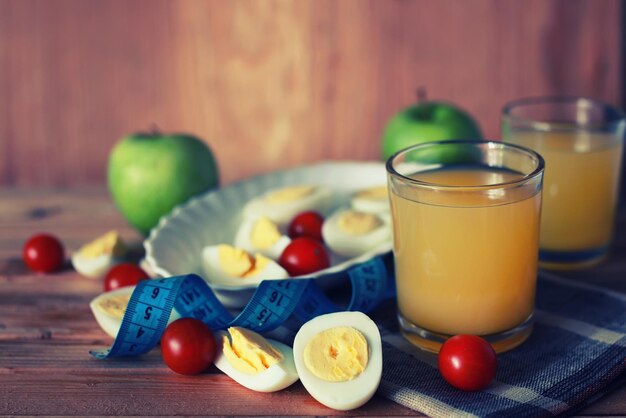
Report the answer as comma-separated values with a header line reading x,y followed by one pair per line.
x,y
174,247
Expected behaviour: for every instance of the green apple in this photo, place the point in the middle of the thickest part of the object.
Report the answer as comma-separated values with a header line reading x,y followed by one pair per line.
x,y
428,121
150,173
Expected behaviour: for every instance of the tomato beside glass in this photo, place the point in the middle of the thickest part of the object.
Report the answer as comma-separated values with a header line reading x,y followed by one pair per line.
x,y
467,362
43,253
188,346
306,224
122,275
304,256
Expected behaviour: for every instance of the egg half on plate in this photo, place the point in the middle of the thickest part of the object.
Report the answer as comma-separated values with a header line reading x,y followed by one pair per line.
x,y
283,204
338,357
260,364
231,266
371,200
261,235
351,233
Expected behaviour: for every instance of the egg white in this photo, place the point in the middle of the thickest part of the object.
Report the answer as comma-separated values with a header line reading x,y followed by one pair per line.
x,y
93,267
347,245
243,239
216,274
369,205
282,213
277,377
353,393
109,323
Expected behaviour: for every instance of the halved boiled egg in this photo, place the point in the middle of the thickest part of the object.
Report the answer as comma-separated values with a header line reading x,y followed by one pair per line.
x,y
351,233
281,205
225,264
261,235
338,357
371,200
109,308
257,363
95,258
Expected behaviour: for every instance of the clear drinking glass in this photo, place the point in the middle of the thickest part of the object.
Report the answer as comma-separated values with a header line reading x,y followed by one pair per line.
x,y
466,231
581,141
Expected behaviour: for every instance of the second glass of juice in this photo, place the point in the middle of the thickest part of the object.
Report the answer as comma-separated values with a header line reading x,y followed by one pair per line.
x,y
466,234
582,141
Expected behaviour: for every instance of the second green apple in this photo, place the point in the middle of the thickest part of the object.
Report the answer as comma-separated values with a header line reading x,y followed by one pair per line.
x,y
427,121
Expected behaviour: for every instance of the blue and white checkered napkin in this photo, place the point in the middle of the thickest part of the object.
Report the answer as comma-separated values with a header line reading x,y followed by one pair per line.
x,y
577,348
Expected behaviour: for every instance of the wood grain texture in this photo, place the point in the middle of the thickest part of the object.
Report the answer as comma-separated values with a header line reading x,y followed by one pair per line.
x,y
273,84
46,331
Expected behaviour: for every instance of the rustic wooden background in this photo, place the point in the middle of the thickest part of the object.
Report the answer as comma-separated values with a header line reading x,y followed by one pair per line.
x,y
275,83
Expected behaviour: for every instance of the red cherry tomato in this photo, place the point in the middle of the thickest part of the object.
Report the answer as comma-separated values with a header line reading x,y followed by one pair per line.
x,y
125,274
188,346
306,224
467,362
303,256
43,253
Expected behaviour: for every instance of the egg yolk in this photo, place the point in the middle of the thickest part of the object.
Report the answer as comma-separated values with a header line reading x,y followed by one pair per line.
x,y
375,193
260,262
336,354
234,261
238,263
248,351
358,223
114,306
264,233
288,194
109,243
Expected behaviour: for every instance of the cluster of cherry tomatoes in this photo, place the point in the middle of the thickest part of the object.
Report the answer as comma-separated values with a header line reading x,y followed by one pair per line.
x,y
467,362
306,253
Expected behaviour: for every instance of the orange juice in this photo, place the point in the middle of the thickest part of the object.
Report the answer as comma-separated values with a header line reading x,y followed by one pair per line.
x,y
466,261
580,188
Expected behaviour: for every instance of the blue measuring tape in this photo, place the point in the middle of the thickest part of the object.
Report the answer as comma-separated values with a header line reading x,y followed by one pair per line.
x,y
286,302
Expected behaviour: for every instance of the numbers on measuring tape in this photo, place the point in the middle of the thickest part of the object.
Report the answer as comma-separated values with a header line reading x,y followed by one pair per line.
x,y
286,302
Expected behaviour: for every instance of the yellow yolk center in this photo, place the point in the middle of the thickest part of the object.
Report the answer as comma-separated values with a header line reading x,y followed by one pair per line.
x,y
248,351
114,306
238,263
260,262
264,234
234,261
336,354
375,193
109,243
288,194
358,223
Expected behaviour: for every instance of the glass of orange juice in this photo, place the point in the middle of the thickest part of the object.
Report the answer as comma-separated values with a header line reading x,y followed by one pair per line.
x,y
465,240
581,141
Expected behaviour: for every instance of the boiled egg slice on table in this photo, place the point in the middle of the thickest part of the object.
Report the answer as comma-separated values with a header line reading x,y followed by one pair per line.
x,y
109,308
95,258
257,363
228,265
282,205
261,235
371,200
338,357
351,233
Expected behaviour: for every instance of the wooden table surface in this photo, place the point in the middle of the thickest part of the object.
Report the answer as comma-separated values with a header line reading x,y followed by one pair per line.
x,y
46,331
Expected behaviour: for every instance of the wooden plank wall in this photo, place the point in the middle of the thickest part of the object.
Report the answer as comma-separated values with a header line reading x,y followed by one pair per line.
x,y
275,83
